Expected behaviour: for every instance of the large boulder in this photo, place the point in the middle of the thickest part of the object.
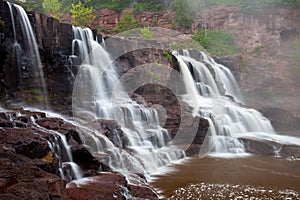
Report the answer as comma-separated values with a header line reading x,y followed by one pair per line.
x,y
108,186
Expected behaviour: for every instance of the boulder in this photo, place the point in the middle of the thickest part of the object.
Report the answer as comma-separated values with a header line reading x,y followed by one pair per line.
x,y
108,186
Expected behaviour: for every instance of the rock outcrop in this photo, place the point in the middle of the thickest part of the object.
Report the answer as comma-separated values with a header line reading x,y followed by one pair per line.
x,y
54,41
30,168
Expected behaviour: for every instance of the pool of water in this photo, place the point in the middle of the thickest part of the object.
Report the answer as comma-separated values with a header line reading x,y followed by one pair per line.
x,y
255,177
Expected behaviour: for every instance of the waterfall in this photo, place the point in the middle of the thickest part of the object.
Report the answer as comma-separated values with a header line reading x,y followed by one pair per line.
x,y
228,120
143,145
30,70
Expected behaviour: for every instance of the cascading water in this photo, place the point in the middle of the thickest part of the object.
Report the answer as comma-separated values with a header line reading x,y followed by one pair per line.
x,y
31,82
228,120
144,139
61,150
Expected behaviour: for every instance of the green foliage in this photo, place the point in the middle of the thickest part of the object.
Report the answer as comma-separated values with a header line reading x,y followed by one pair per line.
x,y
100,29
111,4
168,56
67,5
81,15
53,7
32,5
258,51
146,5
185,12
292,4
147,33
186,44
217,43
296,56
254,6
127,22
34,95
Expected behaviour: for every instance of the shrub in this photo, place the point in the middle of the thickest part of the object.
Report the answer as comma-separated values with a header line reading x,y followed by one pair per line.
x,y
127,22
147,33
217,43
148,5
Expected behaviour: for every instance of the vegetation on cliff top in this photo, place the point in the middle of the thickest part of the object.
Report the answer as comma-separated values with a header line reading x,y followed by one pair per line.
x,y
127,22
219,43
185,9
81,15
53,7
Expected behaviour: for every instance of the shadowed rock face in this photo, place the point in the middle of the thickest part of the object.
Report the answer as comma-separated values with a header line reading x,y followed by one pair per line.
x,y
54,41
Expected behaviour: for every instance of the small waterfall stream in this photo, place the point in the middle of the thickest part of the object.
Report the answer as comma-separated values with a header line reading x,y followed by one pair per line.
x,y
31,81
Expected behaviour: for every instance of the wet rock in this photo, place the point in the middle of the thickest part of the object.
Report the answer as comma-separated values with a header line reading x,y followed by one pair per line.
x,y
51,123
282,119
25,154
108,186
290,151
90,165
142,192
21,179
105,186
112,130
260,147
30,142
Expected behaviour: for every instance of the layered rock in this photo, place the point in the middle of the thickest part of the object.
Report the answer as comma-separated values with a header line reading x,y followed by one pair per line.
x,y
29,167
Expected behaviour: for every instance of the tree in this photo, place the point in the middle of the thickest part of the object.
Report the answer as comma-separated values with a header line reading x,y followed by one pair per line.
x,y
52,7
82,16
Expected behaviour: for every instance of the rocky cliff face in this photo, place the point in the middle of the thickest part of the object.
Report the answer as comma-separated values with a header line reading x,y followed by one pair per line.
x,y
272,30
54,43
265,71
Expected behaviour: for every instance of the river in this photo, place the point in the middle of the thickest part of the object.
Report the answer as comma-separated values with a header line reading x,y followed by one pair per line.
x,y
255,177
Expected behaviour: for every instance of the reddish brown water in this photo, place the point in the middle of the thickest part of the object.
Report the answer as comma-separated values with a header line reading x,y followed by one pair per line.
x,y
240,178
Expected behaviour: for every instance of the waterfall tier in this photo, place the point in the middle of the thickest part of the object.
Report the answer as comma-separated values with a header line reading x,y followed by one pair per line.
x,y
214,94
142,147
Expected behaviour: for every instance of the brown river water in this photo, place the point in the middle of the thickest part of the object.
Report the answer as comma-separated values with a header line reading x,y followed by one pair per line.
x,y
255,177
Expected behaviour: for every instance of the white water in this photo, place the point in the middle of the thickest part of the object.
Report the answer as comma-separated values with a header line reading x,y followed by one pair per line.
x,y
228,120
29,48
68,170
96,93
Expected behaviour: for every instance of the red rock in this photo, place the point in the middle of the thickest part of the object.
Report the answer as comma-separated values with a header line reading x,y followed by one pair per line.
x,y
142,192
105,186
21,179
